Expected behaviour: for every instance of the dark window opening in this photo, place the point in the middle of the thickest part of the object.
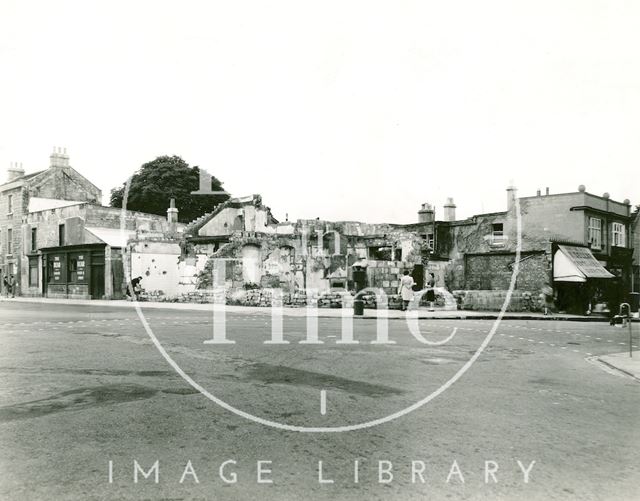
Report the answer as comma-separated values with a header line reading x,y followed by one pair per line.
x,y
380,253
61,240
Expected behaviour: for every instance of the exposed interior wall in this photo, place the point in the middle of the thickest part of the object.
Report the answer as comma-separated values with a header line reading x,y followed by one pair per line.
x,y
158,265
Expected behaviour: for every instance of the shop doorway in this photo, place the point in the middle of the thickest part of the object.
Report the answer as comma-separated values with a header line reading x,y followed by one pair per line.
x,y
97,281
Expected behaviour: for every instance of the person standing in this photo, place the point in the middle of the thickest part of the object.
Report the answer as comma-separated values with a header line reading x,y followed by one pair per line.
x,y
12,286
405,289
5,285
431,295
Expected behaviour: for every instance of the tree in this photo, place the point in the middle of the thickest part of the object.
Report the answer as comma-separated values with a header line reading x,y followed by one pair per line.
x,y
156,182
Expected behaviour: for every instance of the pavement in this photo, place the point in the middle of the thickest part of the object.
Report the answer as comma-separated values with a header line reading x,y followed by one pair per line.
x,y
624,362
87,396
325,312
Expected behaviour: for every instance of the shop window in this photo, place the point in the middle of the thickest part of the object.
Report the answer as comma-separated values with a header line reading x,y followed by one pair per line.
x,y
595,232
72,270
619,235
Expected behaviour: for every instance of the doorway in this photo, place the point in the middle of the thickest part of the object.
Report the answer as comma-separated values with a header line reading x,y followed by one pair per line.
x,y
97,281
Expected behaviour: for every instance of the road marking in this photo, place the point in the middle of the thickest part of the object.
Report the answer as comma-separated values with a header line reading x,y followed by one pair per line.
x,y
323,402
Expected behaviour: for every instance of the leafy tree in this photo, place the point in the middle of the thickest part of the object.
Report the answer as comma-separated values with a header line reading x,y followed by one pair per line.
x,y
156,182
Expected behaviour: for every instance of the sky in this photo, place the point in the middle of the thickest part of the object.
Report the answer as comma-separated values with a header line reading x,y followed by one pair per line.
x,y
343,110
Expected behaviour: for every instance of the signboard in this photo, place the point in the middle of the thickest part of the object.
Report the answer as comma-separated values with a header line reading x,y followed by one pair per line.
x,y
58,269
81,268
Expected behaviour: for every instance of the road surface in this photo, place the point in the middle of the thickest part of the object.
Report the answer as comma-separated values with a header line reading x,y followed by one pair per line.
x,y
89,404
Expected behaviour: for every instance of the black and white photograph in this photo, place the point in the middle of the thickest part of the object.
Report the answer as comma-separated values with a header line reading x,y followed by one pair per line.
x,y
343,250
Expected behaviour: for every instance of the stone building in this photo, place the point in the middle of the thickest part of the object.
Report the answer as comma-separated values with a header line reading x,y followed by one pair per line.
x,y
57,186
59,241
635,232
575,250
301,255
79,250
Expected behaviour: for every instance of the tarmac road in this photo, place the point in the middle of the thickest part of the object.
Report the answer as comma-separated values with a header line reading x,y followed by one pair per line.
x,y
84,386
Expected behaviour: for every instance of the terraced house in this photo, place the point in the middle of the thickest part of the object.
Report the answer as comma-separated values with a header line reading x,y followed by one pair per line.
x,y
57,186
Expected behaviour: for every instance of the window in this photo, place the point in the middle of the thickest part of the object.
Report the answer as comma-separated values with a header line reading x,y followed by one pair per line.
x,y
33,272
497,234
72,270
595,232
618,235
430,241
380,253
61,235
10,204
34,239
9,241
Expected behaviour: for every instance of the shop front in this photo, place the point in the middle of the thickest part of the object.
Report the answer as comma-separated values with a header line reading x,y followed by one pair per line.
x,y
75,272
582,284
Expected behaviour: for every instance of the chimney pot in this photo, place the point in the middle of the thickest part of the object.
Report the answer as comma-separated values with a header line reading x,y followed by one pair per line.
x,y
547,190
14,171
538,193
172,215
511,196
449,210
425,214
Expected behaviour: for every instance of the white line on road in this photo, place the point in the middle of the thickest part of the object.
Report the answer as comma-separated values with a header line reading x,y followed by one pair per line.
x,y
323,402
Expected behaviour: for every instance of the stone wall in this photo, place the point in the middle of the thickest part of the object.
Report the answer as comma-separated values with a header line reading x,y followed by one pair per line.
x,y
493,300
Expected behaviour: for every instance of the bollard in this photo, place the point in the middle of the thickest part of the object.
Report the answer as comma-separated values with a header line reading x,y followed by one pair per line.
x,y
626,317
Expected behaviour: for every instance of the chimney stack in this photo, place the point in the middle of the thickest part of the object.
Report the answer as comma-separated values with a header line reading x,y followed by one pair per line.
x,y
449,210
172,215
59,158
512,193
425,214
14,171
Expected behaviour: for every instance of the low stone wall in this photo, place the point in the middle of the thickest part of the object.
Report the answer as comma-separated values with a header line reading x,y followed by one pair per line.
x,y
493,300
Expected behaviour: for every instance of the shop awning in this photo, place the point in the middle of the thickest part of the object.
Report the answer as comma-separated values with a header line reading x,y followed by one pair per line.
x,y
576,264
111,236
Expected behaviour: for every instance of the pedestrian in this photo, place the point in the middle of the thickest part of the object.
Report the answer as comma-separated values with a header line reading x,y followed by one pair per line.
x,y
431,295
5,285
134,288
12,286
405,289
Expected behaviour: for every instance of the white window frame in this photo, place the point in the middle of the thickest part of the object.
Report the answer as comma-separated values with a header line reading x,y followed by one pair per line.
x,y
618,234
595,232
497,236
